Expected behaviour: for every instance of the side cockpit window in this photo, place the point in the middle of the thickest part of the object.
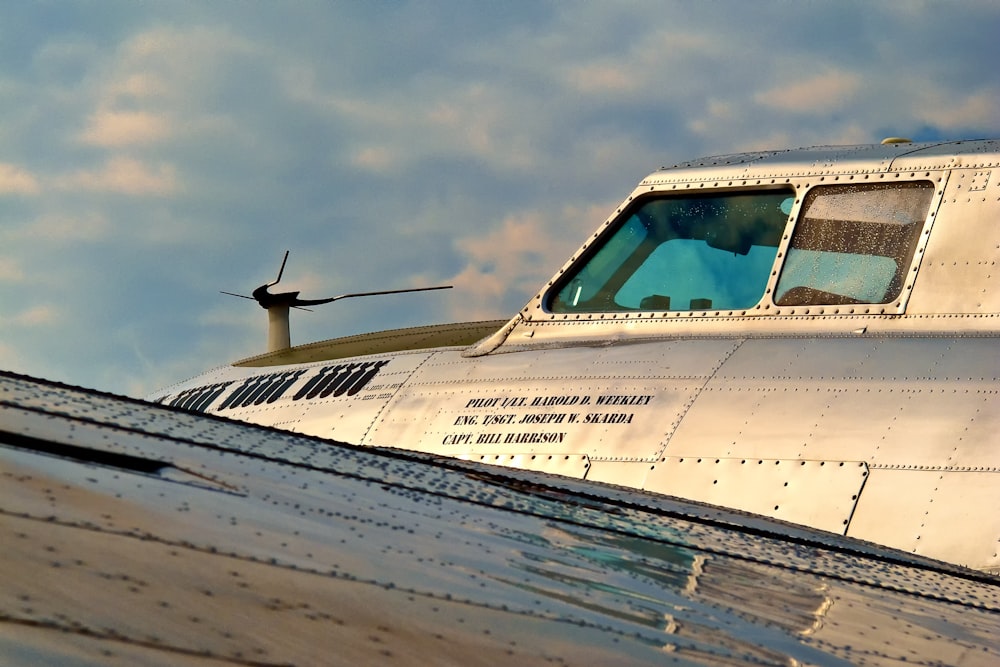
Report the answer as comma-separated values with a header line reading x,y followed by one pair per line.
x,y
682,253
853,244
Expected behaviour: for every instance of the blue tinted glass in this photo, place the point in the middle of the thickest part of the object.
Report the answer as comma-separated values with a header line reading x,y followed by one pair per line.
x,y
711,251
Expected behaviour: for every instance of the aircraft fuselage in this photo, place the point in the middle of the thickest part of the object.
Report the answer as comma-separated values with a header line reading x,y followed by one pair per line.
x,y
809,335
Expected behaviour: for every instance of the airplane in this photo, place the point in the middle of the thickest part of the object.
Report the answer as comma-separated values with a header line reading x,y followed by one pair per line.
x,y
809,335
180,532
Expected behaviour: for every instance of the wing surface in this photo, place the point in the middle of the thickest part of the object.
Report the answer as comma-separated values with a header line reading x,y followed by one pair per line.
x,y
138,534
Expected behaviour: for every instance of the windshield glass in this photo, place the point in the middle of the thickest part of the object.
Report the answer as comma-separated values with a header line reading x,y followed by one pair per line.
x,y
853,243
693,252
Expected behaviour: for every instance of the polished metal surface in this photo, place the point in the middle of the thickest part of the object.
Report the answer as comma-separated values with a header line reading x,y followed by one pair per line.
x,y
135,533
904,391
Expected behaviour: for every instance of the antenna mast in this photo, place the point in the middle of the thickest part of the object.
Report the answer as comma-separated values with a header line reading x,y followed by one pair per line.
x,y
277,306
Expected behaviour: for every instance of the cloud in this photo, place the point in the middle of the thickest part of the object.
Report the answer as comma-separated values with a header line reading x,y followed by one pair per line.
x,y
819,93
978,109
509,264
35,316
374,158
604,78
125,176
10,271
17,181
63,227
116,129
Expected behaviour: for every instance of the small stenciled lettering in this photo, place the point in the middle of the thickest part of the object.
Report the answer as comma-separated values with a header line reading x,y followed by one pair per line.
x,y
608,418
630,399
483,402
493,420
535,418
538,412
549,401
534,438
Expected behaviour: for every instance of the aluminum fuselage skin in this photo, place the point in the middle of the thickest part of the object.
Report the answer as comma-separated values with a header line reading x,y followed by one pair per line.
x,y
879,421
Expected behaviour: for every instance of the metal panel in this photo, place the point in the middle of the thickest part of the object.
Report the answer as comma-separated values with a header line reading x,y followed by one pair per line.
x,y
606,418
622,473
890,402
621,402
777,488
343,417
922,511
663,358
957,274
567,465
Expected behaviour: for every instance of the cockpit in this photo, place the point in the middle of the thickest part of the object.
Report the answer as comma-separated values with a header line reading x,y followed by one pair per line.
x,y
720,251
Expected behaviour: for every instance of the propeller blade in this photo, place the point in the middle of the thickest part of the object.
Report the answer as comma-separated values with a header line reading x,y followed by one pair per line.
x,y
316,302
280,271
239,295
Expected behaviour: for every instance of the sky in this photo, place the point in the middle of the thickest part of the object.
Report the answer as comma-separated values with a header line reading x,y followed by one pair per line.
x,y
155,153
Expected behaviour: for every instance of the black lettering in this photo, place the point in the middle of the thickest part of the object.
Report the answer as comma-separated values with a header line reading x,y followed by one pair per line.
x,y
534,438
367,377
630,399
282,387
262,386
237,394
350,380
482,402
181,398
490,420
209,397
313,381
333,381
609,418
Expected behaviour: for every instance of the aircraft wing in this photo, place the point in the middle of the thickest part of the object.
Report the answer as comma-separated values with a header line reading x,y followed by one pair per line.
x,y
133,533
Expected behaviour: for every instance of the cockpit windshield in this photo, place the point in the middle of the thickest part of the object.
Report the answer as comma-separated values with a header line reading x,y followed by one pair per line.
x,y
681,253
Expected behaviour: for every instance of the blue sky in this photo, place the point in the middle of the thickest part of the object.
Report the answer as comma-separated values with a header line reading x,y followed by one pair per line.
x,y
154,153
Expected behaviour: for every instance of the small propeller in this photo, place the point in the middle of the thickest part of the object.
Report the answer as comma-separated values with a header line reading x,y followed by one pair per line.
x,y
263,296
278,304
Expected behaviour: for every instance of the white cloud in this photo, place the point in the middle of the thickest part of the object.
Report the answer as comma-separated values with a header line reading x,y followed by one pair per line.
x,y
947,110
10,271
817,93
125,176
17,180
375,158
515,259
116,129
604,78
42,315
63,227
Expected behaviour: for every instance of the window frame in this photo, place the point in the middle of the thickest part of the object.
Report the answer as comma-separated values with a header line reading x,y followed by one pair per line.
x,y
623,218
909,240
539,309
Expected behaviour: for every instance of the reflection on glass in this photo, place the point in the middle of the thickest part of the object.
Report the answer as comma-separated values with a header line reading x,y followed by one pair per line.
x,y
853,244
696,252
